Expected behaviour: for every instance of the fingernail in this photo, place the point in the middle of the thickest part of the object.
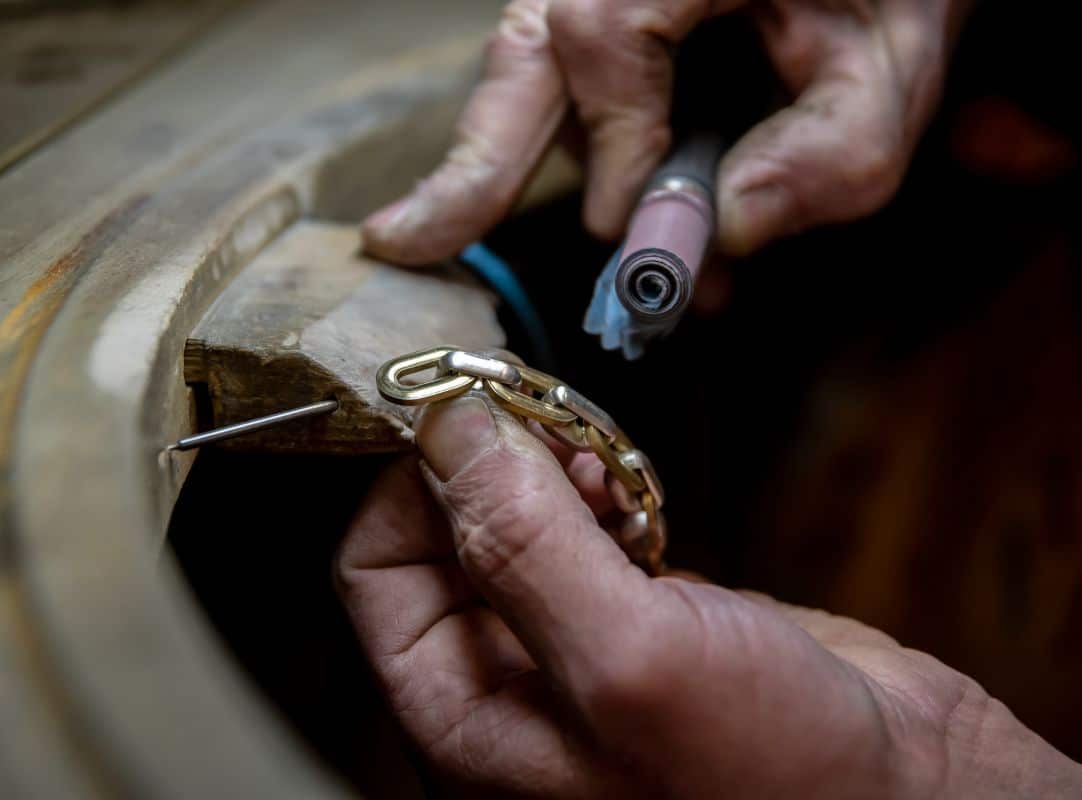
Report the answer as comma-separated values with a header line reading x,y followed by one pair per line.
x,y
753,217
453,434
386,218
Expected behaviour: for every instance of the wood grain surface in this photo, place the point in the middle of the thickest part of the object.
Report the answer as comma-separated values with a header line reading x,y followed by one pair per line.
x,y
115,239
308,320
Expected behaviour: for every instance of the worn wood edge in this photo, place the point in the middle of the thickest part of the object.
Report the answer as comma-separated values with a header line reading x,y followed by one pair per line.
x,y
44,256
311,318
125,455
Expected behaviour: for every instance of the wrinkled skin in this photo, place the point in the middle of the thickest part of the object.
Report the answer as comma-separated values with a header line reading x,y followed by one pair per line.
x,y
517,646
866,76
525,656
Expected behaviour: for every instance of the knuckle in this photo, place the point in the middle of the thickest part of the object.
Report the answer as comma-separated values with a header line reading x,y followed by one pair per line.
x,y
344,573
419,698
576,20
490,547
606,21
523,21
347,560
349,564
658,137
613,52
468,184
472,158
504,511
875,169
660,20
521,33
644,127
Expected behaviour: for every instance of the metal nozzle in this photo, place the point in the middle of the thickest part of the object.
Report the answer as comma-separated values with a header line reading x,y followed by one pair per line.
x,y
654,285
642,293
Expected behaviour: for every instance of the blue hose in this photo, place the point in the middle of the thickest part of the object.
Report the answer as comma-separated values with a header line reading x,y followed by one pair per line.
x,y
495,273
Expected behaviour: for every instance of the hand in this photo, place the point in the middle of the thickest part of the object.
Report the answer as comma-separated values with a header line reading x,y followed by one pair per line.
x,y
867,76
525,655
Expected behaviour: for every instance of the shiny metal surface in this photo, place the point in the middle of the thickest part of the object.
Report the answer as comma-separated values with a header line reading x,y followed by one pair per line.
x,y
569,416
479,366
258,424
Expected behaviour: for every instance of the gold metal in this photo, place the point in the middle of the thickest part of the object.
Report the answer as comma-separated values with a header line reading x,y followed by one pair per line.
x,y
659,535
637,460
567,415
620,442
643,537
525,404
654,519
389,379
630,478
573,435
634,532
586,409
479,366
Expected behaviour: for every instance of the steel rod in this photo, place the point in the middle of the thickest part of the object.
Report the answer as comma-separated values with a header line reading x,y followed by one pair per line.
x,y
258,424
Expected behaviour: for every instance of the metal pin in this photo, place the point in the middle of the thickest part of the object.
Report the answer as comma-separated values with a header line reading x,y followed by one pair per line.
x,y
584,407
258,424
479,366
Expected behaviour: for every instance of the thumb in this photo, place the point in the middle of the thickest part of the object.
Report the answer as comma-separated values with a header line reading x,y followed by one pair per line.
x,y
525,538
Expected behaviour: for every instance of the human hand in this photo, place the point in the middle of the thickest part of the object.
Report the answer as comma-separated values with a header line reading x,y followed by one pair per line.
x,y
866,75
525,655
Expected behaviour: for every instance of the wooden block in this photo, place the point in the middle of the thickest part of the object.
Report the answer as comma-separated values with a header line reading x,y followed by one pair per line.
x,y
310,319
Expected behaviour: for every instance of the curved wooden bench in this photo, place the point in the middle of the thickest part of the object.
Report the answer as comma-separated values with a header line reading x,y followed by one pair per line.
x,y
116,240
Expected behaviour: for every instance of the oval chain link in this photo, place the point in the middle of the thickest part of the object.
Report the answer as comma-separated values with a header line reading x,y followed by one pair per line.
x,y
521,400
567,415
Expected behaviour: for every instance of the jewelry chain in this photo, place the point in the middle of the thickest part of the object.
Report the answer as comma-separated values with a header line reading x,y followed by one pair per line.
x,y
567,415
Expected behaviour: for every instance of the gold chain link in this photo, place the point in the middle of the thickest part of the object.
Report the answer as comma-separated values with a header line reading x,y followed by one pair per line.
x,y
567,415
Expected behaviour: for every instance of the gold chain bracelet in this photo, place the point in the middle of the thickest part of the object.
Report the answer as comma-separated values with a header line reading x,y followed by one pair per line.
x,y
567,415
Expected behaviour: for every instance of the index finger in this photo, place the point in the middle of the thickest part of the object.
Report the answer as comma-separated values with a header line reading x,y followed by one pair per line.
x,y
506,127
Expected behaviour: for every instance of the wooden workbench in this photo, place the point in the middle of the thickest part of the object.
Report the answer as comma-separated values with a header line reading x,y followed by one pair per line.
x,y
120,225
